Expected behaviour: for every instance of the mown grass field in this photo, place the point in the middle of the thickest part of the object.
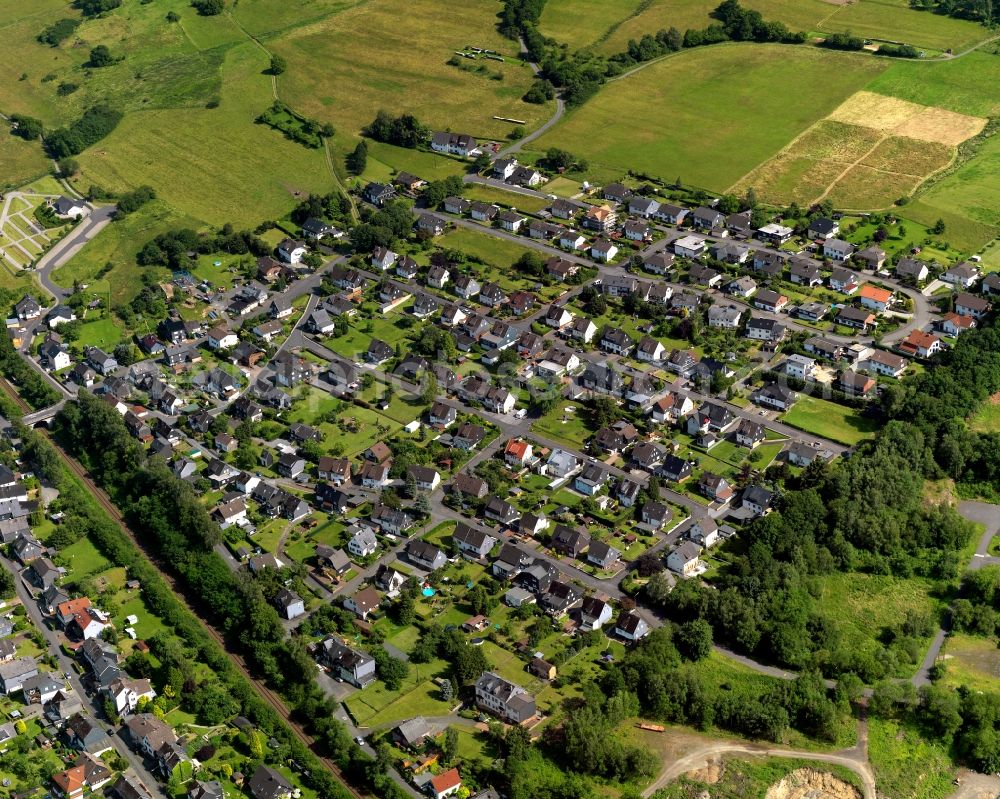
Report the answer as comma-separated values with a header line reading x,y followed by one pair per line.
x,y
968,199
967,85
830,420
495,252
392,54
875,19
580,23
713,114
20,161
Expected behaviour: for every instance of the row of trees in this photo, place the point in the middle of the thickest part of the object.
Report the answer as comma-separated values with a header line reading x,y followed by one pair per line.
x,y
96,123
171,248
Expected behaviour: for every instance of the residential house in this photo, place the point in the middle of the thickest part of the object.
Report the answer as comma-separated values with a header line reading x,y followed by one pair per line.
x,y
655,515
855,317
364,602
591,480
799,367
920,344
872,258
689,246
363,543
884,363
858,385
351,665
875,298
715,487
289,604
425,555
472,541
706,218
684,559
757,500
460,144
724,316
774,396
631,626
770,300
912,269
602,555
570,542
501,511
971,305
504,699
822,228
837,249
962,276
267,783
749,434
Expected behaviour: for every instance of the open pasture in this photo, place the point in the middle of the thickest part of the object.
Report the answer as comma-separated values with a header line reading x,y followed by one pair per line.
x,y
870,151
392,55
711,114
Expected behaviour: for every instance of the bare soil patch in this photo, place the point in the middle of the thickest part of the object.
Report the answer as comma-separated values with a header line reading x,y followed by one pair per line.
x,y
939,125
808,783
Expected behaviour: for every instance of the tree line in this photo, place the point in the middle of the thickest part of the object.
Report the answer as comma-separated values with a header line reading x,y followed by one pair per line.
x,y
580,74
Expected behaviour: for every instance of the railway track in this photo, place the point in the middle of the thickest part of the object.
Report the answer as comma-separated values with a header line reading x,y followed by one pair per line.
x,y
266,693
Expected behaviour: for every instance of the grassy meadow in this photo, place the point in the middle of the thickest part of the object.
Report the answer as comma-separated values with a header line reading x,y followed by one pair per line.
x,y
711,114
830,420
580,23
392,54
874,19
212,164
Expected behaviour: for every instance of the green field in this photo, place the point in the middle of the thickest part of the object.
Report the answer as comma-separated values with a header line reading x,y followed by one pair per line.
x,y
117,244
987,418
906,765
866,604
711,114
570,428
876,19
212,164
20,161
392,54
830,420
580,23
967,85
493,251
972,661
968,200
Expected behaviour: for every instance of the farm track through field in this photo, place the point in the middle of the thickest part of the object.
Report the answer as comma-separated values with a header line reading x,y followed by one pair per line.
x,y
267,694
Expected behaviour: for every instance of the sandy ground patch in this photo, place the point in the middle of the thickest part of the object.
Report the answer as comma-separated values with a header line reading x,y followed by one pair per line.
x,y
877,111
808,783
939,125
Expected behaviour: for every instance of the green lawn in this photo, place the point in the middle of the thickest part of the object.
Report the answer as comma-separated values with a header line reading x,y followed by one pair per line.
x,y
701,112
375,706
567,427
82,558
830,420
493,251
492,194
100,332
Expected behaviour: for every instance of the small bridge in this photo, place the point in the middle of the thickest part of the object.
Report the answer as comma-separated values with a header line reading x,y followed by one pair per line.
x,y
44,416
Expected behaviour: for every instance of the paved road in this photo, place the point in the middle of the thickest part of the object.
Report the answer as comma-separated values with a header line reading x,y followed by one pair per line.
x,y
53,640
69,246
560,110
